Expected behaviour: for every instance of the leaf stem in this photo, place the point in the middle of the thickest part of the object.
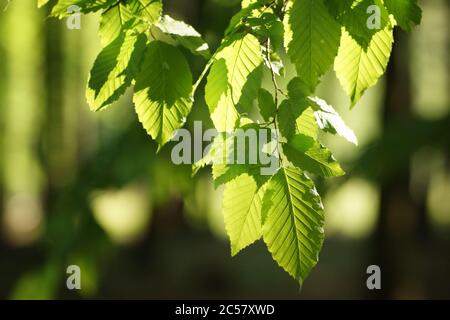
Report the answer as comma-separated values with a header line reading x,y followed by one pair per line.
x,y
277,90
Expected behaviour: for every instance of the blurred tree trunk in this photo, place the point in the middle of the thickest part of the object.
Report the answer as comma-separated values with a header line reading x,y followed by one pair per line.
x,y
22,115
54,102
402,221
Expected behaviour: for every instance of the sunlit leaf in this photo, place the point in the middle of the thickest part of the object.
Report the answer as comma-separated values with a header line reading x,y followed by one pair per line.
x,y
359,69
293,222
163,91
114,69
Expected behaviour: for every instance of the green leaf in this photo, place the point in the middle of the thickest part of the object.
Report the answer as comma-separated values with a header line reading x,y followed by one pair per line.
x,y
338,8
42,3
210,155
238,153
132,14
185,35
356,21
114,69
293,222
224,165
242,201
311,39
297,89
148,11
330,121
222,156
295,114
268,25
232,154
406,12
294,119
60,10
267,105
246,11
163,91
246,3
113,21
218,98
250,90
306,124
359,69
309,155
230,72
221,153
303,114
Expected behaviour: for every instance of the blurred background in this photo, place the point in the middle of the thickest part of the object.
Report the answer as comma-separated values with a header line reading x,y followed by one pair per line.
x,y
87,189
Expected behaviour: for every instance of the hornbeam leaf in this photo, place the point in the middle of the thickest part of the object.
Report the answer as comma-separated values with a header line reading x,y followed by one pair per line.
x,y
222,157
42,3
242,201
148,11
113,21
406,12
246,3
251,89
114,70
311,39
303,114
293,222
132,14
359,69
218,98
229,74
268,25
330,121
295,114
267,106
309,155
248,7
60,10
212,152
246,150
357,19
219,153
338,8
185,35
163,91
294,118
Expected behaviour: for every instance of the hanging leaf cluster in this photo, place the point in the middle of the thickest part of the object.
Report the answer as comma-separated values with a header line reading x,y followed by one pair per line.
x,y
141,48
